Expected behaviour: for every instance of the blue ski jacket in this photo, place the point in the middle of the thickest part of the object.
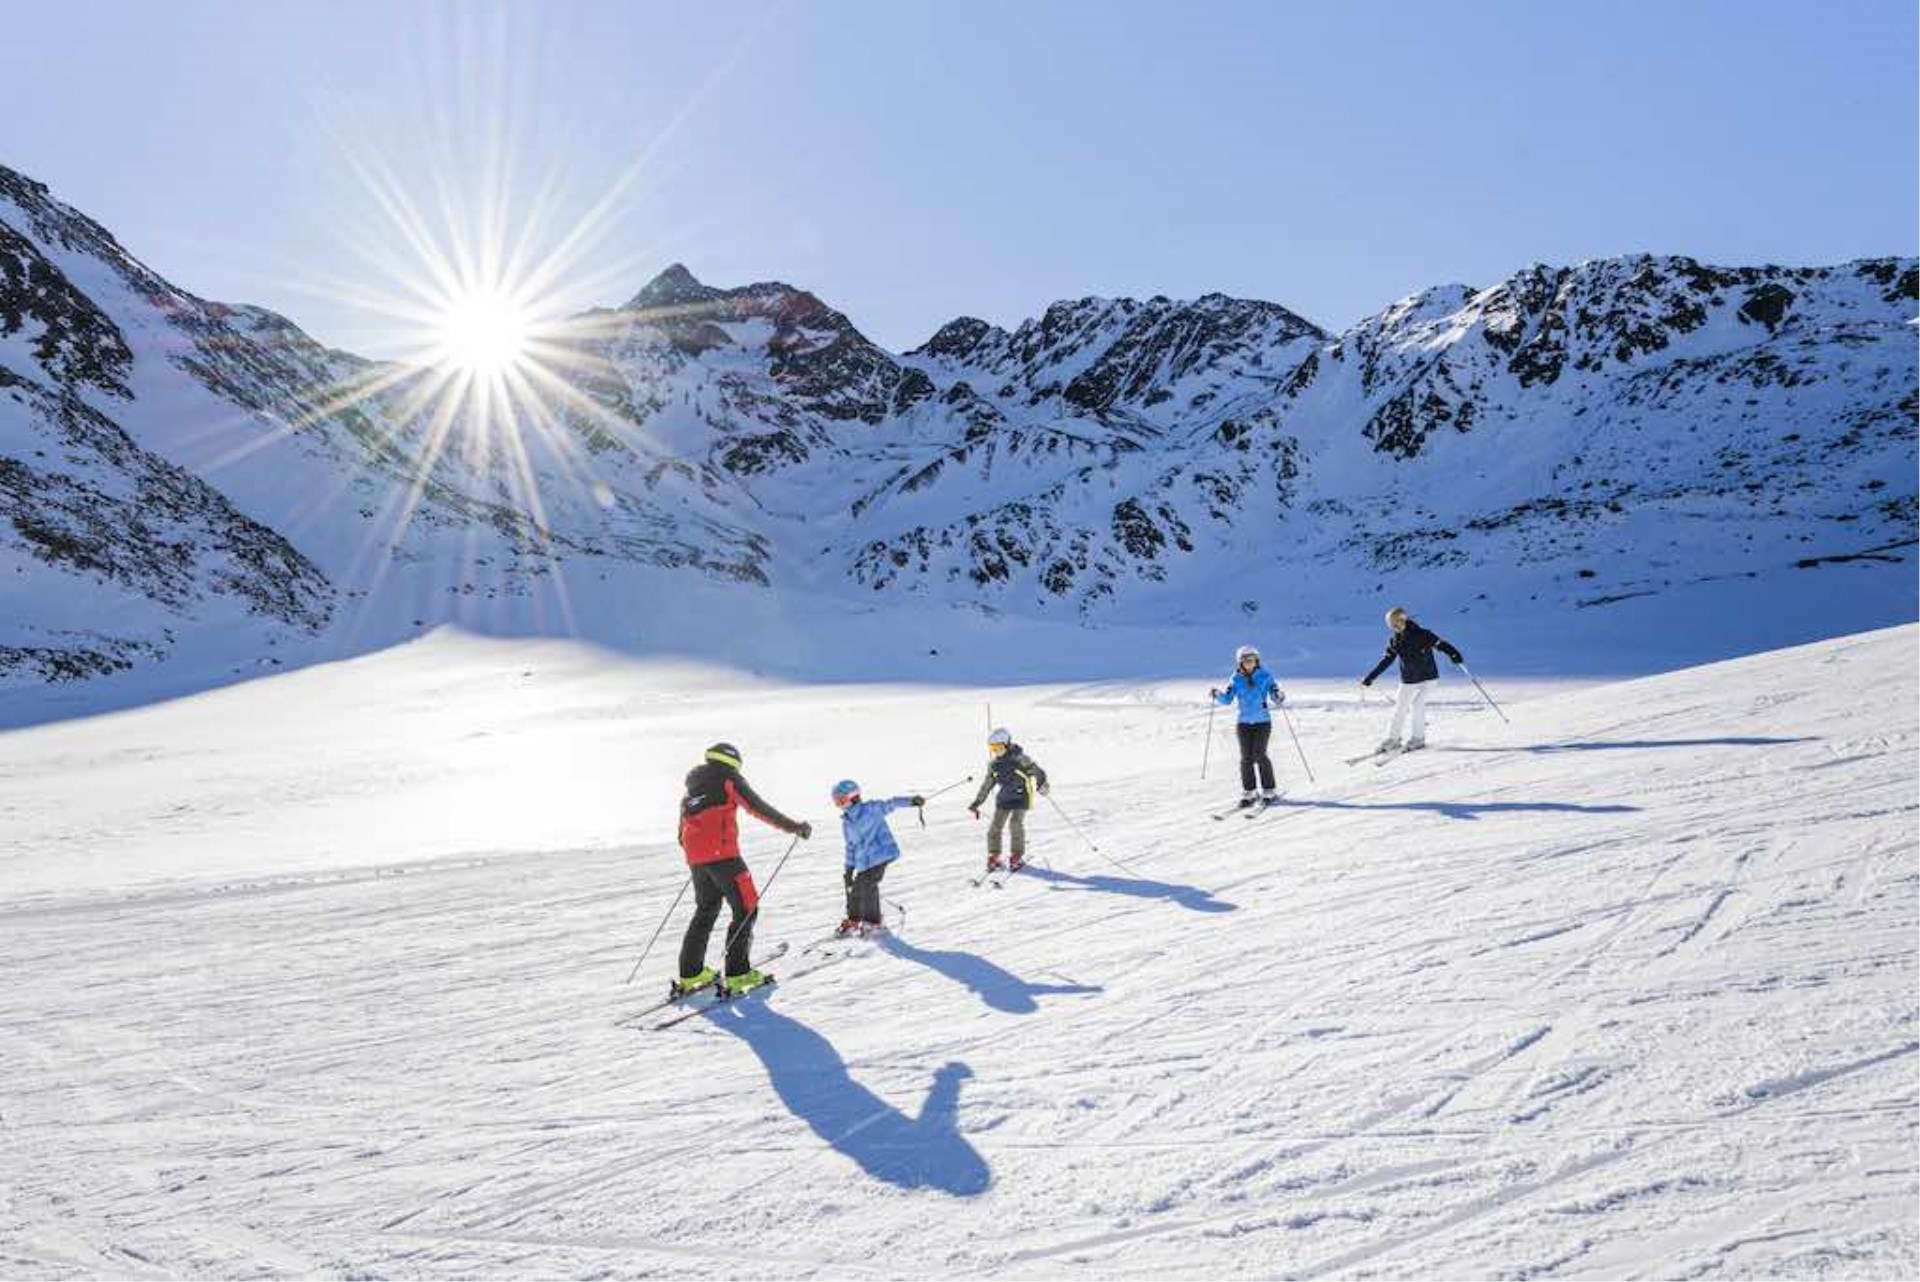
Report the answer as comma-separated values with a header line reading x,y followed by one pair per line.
x,y
1252,696
870,842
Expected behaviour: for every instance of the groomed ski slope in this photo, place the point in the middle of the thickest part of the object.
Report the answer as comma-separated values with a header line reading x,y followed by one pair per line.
x,y
320,975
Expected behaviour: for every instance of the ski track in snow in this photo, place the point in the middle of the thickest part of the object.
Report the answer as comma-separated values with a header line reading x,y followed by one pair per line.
x,y
1627,988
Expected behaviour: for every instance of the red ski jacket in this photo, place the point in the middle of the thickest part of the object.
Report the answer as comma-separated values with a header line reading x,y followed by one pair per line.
x,y
709,831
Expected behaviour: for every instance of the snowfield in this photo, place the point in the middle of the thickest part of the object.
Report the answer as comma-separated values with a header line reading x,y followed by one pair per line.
x,y
320,976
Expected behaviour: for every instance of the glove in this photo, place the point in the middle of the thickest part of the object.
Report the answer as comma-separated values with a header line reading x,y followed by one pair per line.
x,y
974,811
804,832
1213,694
1279,698
1460,660
1366,681
916,801
1045,789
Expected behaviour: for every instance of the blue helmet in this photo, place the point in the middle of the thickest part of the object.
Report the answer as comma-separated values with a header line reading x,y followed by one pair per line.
x,y
845,791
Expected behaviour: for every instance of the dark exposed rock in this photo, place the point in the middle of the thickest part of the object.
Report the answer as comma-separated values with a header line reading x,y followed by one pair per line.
x,y
72,339
1767,305
170,537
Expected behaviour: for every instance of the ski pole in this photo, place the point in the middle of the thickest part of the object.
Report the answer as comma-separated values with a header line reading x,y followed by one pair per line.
x,y
762,896
1296,743
929,796
1206,752
1078,832
1483,692
662,926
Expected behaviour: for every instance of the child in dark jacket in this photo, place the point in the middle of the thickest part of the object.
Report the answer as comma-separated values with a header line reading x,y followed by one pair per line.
x,y
870,848
1013,777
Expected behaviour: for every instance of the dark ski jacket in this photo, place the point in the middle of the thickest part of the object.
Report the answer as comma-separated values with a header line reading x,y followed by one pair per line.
x,y
709,831
1015,775
1413,645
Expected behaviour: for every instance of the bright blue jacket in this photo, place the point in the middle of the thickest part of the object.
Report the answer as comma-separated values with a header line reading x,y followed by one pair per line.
x,y
870,842
1252,696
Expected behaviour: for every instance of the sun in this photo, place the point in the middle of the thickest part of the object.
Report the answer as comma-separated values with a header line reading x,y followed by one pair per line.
x,y
482,332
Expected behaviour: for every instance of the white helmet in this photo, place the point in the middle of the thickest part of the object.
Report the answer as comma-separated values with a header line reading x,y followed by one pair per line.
x,y
1001,736
1240,655
1396,616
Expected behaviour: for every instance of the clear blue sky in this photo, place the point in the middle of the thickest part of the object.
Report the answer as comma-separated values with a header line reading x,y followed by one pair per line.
x,y
911,162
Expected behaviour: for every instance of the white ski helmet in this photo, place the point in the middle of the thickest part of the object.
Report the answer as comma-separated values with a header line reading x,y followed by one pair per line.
x,y
1000,738
1241,655
1397,617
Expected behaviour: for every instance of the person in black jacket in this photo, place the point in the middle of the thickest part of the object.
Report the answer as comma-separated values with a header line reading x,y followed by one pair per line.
x,y
1013,777
1413,645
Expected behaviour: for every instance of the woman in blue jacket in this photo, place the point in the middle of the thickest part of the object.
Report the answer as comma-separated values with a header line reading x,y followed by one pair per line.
x,y
870,848
1254,689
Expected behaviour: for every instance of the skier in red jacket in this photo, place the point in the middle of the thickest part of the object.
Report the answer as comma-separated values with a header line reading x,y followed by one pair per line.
x,y
710,836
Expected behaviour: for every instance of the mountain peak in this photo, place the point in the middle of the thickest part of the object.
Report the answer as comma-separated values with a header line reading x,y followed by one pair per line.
x,y
674,287
958,338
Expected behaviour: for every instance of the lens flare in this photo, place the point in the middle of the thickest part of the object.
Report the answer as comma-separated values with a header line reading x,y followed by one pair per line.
x,y
484,333
484,265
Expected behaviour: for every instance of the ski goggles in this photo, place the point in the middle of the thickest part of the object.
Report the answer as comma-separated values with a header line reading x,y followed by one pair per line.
x,y
995,749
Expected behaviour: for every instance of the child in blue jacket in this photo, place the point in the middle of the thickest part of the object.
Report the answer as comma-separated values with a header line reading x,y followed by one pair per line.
x,y
870,848
1253,688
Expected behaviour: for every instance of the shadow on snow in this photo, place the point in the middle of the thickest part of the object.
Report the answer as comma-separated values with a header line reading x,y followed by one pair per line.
x,y
812,1080
1195,898
1469,809
999,988
1730,741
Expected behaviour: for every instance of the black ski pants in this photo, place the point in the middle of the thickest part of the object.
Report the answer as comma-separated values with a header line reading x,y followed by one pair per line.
x,y
723,881
863,893
1253,753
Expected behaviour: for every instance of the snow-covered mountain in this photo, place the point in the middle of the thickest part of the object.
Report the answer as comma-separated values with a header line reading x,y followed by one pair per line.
x,y
202,483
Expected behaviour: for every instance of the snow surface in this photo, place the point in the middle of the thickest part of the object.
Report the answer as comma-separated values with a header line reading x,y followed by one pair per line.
x,y
319,975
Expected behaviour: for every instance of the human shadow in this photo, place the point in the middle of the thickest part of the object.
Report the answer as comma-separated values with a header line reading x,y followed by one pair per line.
x,y
1469,809
924,1152
1194,898
999,988
1728,741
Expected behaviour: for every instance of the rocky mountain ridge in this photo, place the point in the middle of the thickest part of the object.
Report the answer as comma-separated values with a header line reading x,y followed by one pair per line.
x,y
172,468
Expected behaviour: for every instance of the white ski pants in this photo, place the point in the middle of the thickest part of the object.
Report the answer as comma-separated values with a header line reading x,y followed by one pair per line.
x,y
1411,703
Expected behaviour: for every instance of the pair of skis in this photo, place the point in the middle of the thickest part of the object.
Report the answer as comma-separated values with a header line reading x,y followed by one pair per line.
x,y
688,1004
1253,811
1381,756
995,877
816,956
